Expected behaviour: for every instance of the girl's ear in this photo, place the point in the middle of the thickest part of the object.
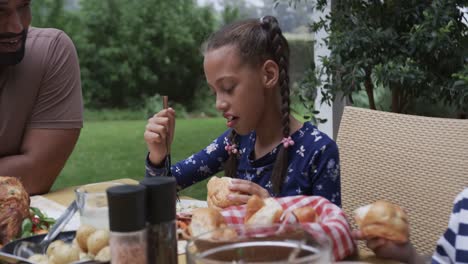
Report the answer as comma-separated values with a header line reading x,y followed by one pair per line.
x,y
270,72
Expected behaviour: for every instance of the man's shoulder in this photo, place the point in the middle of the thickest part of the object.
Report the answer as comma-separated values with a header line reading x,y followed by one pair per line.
x,y
44,32
46,37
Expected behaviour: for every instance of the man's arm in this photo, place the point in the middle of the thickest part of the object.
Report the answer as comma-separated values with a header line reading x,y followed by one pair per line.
x,y
42,157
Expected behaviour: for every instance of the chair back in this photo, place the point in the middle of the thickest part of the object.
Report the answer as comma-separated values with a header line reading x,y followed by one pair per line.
x,y
419,163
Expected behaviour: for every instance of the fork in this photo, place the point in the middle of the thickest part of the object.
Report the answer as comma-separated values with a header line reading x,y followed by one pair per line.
x,y
167,163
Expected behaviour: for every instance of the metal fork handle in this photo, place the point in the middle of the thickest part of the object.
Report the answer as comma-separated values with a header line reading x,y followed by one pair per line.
x,y
60,223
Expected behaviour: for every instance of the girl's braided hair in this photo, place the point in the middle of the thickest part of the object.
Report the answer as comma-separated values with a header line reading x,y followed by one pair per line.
x,y
258,40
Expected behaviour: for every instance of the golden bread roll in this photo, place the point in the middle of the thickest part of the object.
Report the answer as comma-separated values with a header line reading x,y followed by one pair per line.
x,y
383,219
14,207
305,214
218,191
205,220
268,214
254,204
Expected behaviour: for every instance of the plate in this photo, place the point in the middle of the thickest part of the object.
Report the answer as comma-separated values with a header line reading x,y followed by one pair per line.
x,y
66,236
186,206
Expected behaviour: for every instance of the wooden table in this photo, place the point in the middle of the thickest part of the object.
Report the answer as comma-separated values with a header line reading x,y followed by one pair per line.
x,y
66,196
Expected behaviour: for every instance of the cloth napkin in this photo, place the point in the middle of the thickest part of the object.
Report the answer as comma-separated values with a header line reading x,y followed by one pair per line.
x,y
332,221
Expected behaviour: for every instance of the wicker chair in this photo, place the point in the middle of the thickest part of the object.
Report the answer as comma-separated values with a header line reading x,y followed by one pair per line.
x,y
420,163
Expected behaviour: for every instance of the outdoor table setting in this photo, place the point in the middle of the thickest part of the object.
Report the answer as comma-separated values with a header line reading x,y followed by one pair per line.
x,y
55,202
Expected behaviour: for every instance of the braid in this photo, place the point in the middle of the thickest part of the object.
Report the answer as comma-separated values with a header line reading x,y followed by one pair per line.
x,y
230,167
280,50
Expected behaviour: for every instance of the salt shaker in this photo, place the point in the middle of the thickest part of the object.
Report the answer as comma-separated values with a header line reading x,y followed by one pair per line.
x,y
161,219
127,222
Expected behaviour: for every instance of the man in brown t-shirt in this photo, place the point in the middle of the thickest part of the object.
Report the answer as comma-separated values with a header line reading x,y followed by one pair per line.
x,y
41,110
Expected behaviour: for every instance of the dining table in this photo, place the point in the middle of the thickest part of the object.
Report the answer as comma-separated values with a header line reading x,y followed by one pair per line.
x,y
65,196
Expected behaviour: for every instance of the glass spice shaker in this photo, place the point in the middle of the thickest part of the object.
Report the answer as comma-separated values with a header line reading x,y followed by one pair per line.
x,y
161,219
127,222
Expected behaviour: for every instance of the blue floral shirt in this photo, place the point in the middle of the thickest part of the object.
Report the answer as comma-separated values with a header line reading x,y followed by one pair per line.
x,y
313,164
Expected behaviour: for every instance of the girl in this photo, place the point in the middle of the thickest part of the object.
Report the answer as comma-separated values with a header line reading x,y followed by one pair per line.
x,y
267,150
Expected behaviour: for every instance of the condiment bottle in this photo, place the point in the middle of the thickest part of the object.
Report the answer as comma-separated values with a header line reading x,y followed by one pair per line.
x,y
161,219
127,223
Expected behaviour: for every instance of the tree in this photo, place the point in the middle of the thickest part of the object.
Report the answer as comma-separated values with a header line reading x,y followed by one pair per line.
x,y
135,49
417,49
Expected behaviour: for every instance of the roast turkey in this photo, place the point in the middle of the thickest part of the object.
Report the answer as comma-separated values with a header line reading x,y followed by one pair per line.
x,y
14,208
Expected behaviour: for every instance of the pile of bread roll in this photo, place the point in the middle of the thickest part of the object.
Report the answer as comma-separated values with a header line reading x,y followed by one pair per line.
x,y
258,212
380,219
89,244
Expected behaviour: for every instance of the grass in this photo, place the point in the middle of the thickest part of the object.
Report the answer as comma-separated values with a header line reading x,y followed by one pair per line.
x,y
108,150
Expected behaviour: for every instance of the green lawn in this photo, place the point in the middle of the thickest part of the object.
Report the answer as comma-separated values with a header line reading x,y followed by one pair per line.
x,y
110,150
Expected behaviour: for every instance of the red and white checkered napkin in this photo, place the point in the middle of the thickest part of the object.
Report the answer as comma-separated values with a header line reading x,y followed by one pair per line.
x,y
332,220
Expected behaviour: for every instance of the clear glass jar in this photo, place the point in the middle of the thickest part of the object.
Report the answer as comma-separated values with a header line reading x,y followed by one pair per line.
x,y
275,244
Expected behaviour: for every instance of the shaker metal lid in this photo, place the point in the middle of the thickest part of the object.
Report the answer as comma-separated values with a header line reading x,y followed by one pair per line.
x,y
127,208
160,198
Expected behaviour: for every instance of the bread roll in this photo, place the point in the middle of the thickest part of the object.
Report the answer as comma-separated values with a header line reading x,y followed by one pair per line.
x,y
254,204
269,214
218,191
383,219
205,220
305,214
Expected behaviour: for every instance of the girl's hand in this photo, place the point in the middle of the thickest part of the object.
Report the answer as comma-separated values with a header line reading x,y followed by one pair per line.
x,y
160,127
247,188
387,249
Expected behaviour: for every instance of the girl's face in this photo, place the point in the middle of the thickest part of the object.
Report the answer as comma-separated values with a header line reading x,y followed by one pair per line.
x,y
238,86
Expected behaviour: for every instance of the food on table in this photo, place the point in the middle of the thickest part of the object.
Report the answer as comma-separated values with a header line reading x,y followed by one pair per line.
x,y
39,259
254,204
82,234
183,223
383,219
304,214
209,219
218,190
97,241
37,223
64,253
264,212
104,254
51,248
14,207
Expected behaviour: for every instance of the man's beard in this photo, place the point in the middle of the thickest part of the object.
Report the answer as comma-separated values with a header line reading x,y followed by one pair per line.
x,y
13,58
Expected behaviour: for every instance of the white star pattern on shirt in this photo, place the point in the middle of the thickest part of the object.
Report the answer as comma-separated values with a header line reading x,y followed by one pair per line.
x,y
191,160
212,147
301,133
298,190
290,170
177,170
269,185
249,177
333,169
316,134
319,187
312,160
287,179
259,171
205,170
301,151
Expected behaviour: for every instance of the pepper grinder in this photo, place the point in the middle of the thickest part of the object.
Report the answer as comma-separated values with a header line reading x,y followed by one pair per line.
x,y
127,222
161,219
